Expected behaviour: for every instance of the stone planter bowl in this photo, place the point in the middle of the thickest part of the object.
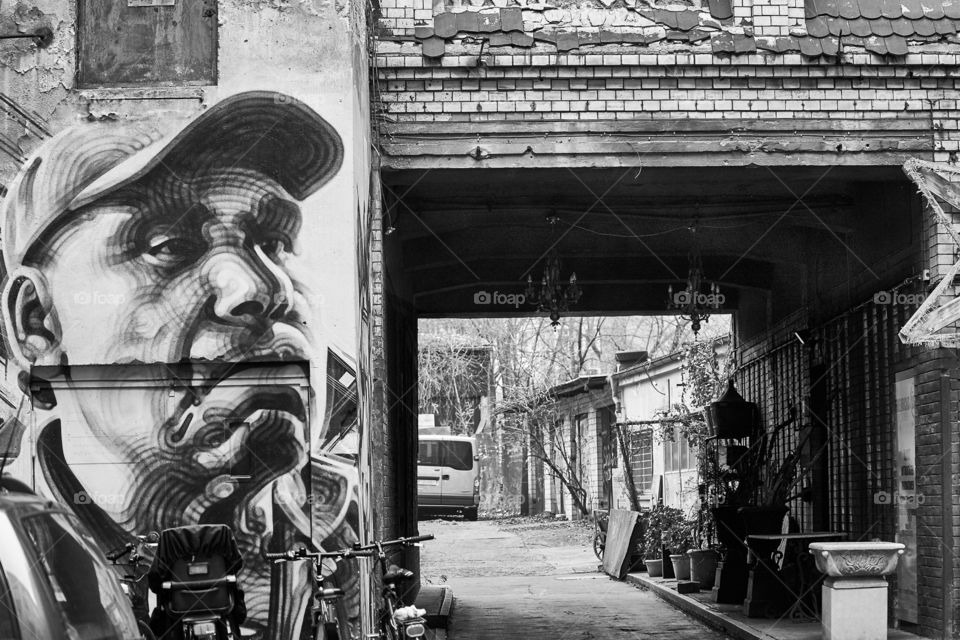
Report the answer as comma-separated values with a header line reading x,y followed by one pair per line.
x,y
856,559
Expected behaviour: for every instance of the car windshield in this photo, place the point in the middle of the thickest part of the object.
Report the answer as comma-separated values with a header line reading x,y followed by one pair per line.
x,y
86,591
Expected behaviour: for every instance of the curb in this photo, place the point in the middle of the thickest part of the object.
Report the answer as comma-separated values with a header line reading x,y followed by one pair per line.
x,y
691,607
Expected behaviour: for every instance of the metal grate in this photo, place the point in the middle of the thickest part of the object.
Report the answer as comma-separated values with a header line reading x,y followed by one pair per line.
x,y
859,350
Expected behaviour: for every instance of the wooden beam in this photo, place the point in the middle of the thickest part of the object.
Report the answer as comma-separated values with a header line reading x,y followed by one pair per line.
x,y
679,142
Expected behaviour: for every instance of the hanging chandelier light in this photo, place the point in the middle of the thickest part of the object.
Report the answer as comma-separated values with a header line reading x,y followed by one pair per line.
x,y
699,299
551,295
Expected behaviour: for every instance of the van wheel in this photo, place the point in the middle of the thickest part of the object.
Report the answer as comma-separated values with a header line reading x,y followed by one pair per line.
x,y
470,514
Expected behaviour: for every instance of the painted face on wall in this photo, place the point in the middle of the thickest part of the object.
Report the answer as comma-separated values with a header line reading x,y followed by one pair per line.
x,y
180,267
170,312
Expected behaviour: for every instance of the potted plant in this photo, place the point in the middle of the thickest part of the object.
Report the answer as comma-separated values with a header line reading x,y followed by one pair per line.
x,y
662,533
650,545
704,557
678,538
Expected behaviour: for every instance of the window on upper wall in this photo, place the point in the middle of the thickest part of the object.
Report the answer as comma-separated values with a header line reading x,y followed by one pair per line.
x,y
641,459
677,455
122,43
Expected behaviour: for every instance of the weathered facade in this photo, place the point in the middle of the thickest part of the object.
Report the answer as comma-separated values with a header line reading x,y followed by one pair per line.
x,y
769,136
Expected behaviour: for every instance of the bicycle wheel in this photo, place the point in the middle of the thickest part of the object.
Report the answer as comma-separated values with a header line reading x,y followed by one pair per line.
x,y
145,630
598,545
331,631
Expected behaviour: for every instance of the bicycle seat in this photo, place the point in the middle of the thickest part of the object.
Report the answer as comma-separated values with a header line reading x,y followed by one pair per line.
x,y
397,574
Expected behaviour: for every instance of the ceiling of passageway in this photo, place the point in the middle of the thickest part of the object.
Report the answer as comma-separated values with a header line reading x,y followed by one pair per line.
x,y
627,233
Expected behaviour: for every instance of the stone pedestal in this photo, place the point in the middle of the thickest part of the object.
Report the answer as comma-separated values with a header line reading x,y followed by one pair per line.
x,y
854,608
855,591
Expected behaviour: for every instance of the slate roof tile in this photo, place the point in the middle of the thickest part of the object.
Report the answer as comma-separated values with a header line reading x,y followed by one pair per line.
x,y
721,9
882,27
687,20
870,9
912,9
876,45
722,43
445,25
903,27
925,27
667,18
860,27
511,19
945,27
787,44
839,27
891,9
828,8
744,44
817,27
830,46
588,37
849,9
852,41
677,36
696,35
434,47
933,9
896,45
422,32
521,39
567,40
810,47
500,40
952,9
608,36
489,22
468,21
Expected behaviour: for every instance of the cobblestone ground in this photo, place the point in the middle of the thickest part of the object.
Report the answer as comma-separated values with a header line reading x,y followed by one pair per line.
x,y
516,580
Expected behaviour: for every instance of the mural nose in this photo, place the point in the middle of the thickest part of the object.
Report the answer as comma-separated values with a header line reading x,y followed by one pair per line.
x,y
241,290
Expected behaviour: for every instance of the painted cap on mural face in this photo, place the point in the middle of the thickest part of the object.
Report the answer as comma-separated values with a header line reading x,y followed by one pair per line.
x,y
270,132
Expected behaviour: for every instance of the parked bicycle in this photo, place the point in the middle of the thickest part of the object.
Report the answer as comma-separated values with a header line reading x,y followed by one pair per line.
x,y
600,521
396,620
133,579
325,623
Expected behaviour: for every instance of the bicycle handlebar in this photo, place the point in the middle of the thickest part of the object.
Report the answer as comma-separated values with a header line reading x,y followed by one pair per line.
x,y
113,556
302,554
391,543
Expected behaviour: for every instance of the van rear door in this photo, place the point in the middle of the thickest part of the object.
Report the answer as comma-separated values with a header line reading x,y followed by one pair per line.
x,y
429,486
459,473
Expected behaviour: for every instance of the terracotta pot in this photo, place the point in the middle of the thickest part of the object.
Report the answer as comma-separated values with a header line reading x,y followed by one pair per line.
x,y
681,566
654,567
703,566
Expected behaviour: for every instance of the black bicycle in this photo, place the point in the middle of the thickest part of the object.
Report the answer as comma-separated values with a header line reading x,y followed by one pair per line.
x,y
396,620
133,578
325,622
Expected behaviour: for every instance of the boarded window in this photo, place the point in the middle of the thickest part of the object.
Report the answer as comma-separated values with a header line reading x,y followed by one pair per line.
x,y
147,42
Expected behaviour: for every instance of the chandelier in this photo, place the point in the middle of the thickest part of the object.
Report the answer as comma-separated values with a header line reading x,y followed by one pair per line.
x,y
693,303
552,295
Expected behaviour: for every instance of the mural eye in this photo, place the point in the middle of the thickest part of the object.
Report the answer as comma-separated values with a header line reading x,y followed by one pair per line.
x,y
169,250
273,246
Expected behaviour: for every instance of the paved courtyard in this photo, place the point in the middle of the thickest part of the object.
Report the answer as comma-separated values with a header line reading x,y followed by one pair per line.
x,y
513,582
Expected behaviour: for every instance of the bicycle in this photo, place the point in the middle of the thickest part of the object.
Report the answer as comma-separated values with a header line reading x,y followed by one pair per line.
x,y
133,580
324,621
396,621
601,520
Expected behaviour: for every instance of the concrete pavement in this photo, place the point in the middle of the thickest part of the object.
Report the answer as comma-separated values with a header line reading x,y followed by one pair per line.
x,y
506,587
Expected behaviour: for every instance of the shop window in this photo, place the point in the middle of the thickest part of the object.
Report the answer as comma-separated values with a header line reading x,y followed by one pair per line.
x,y
146,43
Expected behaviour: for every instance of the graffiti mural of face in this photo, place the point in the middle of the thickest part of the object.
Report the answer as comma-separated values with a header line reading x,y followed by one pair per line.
x,y
186,268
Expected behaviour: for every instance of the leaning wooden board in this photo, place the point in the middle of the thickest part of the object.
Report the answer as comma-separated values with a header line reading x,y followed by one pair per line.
x,y
621,538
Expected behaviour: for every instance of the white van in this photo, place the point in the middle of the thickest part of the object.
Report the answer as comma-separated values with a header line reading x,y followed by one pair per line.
x,y
448,475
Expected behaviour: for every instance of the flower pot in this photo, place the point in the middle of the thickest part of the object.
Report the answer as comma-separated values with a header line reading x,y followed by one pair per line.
x,y
703,566
654,567
681,566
